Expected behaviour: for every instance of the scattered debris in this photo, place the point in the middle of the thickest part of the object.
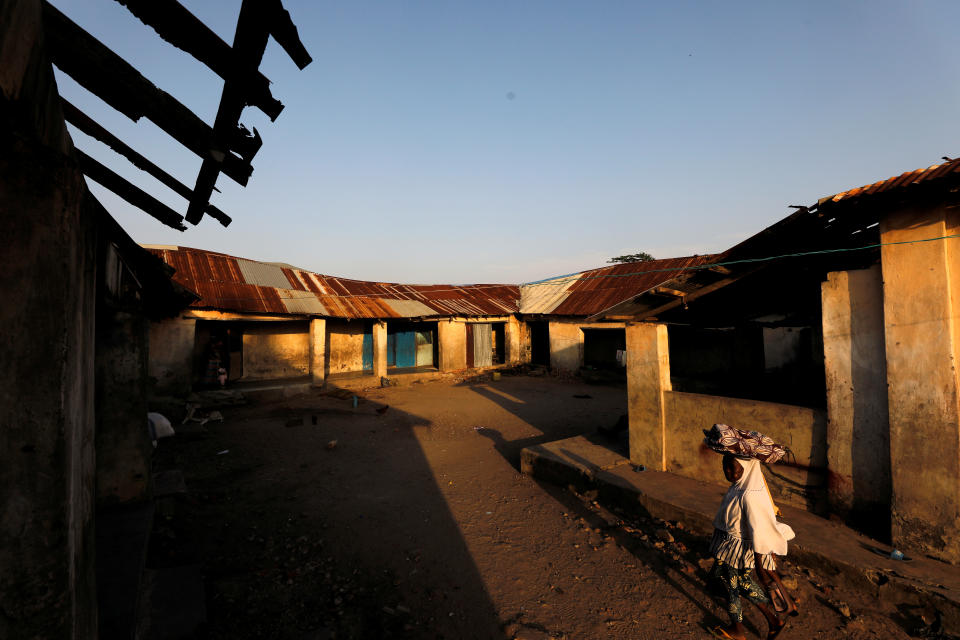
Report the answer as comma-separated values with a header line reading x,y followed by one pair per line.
x,y
663,534
225,451
382,410
331,445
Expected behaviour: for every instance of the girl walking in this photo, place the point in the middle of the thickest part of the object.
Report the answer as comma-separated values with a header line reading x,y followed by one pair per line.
x,y
746,532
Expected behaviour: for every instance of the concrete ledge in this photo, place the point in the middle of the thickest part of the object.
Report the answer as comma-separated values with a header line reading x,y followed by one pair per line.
x,y
820,544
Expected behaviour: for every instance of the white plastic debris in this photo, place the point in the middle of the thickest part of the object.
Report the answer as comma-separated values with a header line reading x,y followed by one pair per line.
x,y
159,427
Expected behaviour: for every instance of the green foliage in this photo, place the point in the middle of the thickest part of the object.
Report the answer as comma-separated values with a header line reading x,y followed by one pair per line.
x,y
642,256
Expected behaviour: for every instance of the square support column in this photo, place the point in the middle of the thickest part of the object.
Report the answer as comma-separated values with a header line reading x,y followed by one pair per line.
x,y
380,349
318,351
514,352
921,302
858,428
452,336
648,376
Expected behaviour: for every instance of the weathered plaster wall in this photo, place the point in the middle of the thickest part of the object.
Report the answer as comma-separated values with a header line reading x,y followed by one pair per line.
x,y
452,336
170,365
920,316
800,428
566,346
858,430
122,442
47,275
344,346
276,350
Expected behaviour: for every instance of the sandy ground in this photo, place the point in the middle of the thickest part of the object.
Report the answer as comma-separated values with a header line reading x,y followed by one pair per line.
x,y
418,524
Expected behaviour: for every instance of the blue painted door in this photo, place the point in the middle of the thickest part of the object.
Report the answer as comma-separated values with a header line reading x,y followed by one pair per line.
x,y
367,351
406,350
391,349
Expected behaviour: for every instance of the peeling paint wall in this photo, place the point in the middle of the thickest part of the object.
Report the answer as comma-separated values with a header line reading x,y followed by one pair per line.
x,y
920,293
170,365
566,346
344,346
276,350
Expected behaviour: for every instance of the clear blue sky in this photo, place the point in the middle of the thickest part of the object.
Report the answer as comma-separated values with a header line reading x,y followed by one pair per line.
x,y
509,141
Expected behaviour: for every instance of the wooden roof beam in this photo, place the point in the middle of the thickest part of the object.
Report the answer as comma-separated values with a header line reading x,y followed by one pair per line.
x,y
129,192
86,124
113,79
175,24
257,21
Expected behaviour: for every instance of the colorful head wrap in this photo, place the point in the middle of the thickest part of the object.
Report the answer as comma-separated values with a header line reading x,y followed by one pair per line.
x,y
723,438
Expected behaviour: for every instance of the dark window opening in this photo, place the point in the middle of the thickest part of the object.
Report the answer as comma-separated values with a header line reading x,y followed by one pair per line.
x,y
539,343
604,349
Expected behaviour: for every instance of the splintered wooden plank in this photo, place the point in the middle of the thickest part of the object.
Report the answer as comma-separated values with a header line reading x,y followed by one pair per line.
x,y
104,73
86,124
175,24
129,192
258,20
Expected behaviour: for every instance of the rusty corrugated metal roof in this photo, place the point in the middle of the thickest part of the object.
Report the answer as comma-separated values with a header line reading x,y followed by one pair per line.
x,y
592,292
907,179
235,284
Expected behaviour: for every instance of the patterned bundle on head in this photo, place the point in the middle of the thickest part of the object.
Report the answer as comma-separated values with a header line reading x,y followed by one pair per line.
x,y
723,438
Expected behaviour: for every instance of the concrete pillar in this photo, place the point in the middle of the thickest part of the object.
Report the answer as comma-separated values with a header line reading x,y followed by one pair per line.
x,y
170,365
566,346
318,351
921,287
452,336
123,443
648,376
514,352
380,349
858,429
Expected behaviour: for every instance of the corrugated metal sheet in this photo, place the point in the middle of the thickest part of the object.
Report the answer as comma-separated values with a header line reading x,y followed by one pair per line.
x,y
482,345
543,297
409,308
302,302
236,284
599,289
262,274
590,292
907,179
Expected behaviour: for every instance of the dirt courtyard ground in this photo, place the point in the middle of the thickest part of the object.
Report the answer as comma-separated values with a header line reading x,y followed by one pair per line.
x,y
418,524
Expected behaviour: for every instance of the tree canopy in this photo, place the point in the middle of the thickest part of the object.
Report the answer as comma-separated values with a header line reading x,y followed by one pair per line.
x,y
642,256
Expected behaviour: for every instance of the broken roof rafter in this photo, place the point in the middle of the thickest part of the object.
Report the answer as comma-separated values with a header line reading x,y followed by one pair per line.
x,y
258,20
227,146
119,84
175,24
129,192
87,125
